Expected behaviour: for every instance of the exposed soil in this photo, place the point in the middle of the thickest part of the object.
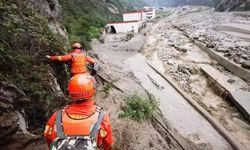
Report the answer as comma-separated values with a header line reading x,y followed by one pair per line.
x,y
129,134
181,60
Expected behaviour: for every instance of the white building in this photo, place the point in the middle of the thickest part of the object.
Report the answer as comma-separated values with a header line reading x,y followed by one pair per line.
x,y
132,22
134,16
123,27
150,12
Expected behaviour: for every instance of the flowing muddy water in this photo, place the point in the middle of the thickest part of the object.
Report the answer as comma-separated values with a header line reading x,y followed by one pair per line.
x,y
178,112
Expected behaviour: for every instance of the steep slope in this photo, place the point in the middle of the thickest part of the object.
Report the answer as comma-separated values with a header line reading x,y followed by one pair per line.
x,y
230,5
173,3
220,5
29,30
133,4
83,18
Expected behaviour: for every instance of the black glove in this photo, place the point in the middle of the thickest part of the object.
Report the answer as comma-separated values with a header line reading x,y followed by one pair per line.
x,y
93,68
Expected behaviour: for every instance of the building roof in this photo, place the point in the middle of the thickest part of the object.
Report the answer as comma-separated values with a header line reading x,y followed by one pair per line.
x,y
134,12
122,22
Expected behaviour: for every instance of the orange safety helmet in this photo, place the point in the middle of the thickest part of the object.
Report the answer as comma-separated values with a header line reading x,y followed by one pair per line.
x,y
76,46
81,87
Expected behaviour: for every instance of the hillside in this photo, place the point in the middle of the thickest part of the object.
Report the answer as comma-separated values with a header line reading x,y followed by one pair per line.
x,y
29,30
220,5
132,4
31,86
83,18
174,3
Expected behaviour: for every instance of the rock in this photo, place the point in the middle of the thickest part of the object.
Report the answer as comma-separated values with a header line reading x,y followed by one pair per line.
x,y
246,64
180,67
193,70
11,98
241,123
235,115
210,45
227,55
238,60
231,81
230,48
186,71
244,57
151,144
183,69
195,37
181,49
171,44
164,59
202,39
170,62
222,50
238,54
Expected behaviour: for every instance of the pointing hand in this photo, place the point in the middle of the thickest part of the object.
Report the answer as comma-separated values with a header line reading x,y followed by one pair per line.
x,y
47,56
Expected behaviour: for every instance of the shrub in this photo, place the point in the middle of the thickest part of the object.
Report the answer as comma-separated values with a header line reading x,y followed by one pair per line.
x,y
138,107
108,86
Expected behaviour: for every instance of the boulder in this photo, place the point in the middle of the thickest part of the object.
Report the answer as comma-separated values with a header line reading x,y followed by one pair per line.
x,y
210,45
246,64
181,49
222,50
11,98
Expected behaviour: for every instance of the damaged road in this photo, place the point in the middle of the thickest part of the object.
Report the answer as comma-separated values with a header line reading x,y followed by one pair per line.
x,y
175,55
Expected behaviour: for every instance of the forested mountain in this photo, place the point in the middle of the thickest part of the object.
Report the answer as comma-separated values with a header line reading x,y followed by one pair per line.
x,y
132,4
220,5
83,18
173,3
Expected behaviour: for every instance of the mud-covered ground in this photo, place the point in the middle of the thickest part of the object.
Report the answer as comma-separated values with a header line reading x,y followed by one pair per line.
x,y
227,33
128,134
182,59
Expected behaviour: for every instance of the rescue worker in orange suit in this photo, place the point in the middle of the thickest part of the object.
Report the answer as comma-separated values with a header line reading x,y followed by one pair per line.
x,y
78,60
81,89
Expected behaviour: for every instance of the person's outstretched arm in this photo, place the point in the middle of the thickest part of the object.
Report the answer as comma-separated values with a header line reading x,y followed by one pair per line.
x,y
63,58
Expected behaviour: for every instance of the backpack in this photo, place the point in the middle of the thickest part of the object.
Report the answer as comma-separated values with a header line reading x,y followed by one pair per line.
x,y
76,142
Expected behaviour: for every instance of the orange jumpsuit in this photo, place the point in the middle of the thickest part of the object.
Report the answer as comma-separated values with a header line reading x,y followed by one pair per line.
x,y
78,60
82,110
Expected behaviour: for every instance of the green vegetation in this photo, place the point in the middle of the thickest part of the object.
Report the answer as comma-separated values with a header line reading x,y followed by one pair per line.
x,y
138,107
83,18
132,5
108,86
25,39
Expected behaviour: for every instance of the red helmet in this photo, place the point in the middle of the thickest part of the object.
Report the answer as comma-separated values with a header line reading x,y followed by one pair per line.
x,y
76,46
81,87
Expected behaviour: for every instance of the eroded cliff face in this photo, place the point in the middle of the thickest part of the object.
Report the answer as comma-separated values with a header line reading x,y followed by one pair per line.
x,y
52,11
232,5
29,89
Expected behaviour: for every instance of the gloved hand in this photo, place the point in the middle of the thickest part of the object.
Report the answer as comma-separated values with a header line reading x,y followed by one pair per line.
x,y
93,68
96,67
47,56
